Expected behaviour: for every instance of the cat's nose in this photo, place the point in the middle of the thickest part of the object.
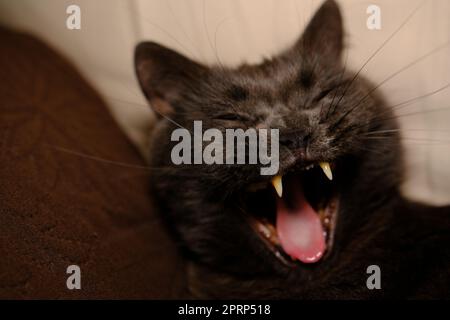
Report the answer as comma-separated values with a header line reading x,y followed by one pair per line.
x,y
295,140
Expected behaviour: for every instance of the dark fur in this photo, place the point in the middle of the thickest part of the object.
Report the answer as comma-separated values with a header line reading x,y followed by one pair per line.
x,y
410,242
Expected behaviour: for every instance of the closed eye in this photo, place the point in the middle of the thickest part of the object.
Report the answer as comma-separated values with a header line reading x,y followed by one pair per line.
x,y
231,117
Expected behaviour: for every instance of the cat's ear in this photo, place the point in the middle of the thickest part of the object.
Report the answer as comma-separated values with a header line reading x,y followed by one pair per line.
x,y
165,76
323,37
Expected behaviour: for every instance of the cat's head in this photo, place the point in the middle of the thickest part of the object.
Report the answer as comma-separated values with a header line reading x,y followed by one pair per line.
x,y
332,171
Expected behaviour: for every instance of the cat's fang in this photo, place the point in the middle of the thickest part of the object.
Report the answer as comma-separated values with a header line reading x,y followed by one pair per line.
x,y
326,169
278,185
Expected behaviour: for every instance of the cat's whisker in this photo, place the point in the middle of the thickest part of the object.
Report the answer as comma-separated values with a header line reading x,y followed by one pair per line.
x,y
99,159
398,116
215,40
371,57
369,149
214,50
146,20
426,95
135,103
403,130
410,139
398,106
103,160
412,113
340,80
382,132
443,46
142,105
183,30
139,95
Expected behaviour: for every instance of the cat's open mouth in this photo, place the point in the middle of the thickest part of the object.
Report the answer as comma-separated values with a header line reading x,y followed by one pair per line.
x,y
295,214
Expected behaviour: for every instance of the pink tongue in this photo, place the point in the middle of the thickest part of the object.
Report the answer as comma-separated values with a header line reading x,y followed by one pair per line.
x,y
300,230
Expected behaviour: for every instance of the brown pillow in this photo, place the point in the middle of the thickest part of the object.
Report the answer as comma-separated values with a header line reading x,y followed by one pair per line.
x,y
63,198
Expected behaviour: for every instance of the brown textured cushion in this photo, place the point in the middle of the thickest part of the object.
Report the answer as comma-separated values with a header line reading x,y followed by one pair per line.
x,y
59,207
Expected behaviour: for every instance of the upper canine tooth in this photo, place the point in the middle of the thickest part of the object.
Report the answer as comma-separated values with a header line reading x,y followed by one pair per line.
x,y
326,169
278,185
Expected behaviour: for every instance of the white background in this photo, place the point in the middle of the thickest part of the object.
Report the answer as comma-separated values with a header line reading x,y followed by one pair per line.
x,y
248,30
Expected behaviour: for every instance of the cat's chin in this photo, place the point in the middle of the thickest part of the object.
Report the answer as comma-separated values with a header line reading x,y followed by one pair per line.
x,y
295,215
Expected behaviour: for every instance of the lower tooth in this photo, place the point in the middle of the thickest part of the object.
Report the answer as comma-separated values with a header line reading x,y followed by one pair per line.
x,y
264,230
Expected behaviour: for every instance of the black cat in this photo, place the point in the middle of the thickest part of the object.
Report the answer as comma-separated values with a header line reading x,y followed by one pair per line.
x,y
341,209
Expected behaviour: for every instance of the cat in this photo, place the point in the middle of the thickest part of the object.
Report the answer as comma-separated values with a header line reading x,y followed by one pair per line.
x,y
341,167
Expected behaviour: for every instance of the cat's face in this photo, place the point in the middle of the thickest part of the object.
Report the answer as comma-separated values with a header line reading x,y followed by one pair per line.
x,y
231,216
